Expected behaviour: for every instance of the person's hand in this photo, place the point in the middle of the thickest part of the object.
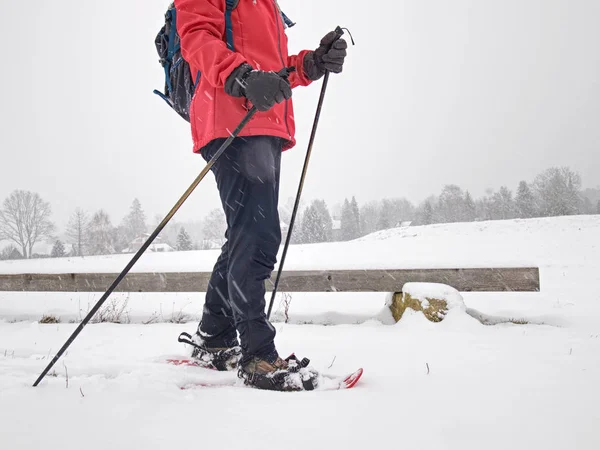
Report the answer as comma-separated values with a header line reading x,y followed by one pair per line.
x,y
331,53
265,89
329,56
262,89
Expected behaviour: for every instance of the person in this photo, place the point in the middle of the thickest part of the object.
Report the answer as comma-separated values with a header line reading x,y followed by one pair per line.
x,y
248,173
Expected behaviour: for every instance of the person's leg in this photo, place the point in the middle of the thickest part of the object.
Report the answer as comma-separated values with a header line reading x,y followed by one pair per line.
x,y
217,327
247,176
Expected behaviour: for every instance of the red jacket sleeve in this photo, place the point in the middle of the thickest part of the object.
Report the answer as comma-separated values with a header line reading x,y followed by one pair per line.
x,y
298,78
201,27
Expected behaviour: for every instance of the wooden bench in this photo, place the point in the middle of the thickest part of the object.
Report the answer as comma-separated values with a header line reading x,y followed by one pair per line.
x,y
510,279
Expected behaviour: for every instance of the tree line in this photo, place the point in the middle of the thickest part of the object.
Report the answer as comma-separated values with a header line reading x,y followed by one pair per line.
x,y
555,192
25,218
25,221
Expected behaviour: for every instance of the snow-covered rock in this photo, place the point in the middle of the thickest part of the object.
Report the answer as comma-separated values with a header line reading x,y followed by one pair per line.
x,y
435,300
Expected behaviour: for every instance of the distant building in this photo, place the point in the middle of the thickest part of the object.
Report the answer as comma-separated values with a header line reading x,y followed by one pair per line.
x,y
336,229
158,245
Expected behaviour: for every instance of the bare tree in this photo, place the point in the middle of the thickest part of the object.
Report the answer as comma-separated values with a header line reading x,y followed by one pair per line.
x,y
25,220
451,205
77,229
100,234
10,252
215,225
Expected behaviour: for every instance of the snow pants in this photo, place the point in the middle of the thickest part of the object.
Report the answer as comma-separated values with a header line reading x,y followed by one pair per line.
x,y
247,176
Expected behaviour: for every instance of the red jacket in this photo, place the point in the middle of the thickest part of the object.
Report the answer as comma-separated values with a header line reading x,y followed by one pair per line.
x,y
259,40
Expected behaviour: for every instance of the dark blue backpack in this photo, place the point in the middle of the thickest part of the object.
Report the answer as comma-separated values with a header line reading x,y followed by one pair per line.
x,y
179,85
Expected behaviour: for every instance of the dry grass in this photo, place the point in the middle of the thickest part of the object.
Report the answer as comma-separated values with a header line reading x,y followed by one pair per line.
x,y
114,311
47,318
435,311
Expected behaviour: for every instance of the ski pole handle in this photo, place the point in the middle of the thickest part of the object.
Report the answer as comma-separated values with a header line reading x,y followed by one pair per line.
x,y
339,31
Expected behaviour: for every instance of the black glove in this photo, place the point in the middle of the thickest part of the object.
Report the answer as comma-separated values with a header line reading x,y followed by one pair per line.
x,y
328,57
262,89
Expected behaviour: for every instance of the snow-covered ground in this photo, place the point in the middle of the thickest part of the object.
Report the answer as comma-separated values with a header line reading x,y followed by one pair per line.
x,y
457,384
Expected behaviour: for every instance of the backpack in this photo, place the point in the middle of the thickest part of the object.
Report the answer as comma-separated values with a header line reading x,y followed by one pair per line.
x,y
179,84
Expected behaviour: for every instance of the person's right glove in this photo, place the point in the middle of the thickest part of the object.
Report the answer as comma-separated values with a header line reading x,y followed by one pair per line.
x,y
262,89
329,56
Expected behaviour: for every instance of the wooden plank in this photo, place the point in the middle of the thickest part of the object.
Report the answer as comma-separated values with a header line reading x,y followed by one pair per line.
x,y
518,279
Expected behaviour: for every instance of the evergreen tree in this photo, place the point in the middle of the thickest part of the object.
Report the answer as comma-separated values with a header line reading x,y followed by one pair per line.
x,y
369,217
557,190
58,250
308,228
184,243
356,216
525,201
502,205
427,215
483,208
345,221
135,222
324,220
350,223
470,212
316,225
385,216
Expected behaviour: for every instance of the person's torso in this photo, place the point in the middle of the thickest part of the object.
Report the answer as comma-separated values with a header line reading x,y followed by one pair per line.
x,y
259,35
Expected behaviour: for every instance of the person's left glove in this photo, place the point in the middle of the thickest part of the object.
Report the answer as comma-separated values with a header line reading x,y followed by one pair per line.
x,y
329,56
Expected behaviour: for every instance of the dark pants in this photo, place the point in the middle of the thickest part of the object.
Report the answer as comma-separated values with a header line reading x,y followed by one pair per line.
x,y
247,176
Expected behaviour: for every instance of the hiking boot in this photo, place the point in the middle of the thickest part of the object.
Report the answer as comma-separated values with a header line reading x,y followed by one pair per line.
x,y
217,358
290,374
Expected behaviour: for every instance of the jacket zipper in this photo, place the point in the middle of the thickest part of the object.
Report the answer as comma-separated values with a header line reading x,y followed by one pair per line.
x,y
280,20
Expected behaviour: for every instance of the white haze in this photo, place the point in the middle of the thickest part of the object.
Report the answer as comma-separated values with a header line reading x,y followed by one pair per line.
x,y
477,93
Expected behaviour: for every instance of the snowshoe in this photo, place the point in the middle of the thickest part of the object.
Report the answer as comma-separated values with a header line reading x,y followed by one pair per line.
x,y
290,374
219,358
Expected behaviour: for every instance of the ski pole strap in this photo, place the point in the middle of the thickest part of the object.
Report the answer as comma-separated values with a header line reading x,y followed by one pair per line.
x,y
340,32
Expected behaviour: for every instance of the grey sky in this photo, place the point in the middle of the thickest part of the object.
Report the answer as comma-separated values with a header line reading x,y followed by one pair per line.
x,y
478,93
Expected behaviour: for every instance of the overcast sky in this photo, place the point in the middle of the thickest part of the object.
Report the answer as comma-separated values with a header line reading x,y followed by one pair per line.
x,y
474,92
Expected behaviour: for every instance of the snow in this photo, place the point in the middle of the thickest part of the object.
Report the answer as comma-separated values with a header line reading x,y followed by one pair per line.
x,y
457,384
530,242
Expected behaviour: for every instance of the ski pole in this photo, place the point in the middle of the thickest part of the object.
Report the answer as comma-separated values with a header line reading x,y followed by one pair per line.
x,y
339,32
143,248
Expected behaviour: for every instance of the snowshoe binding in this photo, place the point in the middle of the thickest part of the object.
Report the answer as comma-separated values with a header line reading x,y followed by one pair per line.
x,y
219,358
290,374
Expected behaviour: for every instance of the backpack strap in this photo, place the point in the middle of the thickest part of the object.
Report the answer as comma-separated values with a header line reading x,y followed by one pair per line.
x,y
172,48
230,6
286,20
